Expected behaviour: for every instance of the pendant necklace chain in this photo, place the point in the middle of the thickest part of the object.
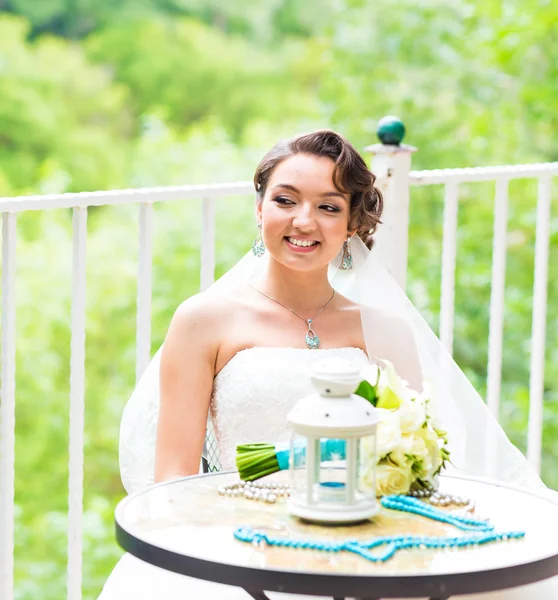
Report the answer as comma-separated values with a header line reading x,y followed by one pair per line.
x,y
312,340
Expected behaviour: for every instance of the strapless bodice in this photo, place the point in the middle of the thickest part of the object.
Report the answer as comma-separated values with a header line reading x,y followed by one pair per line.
x,y
255,390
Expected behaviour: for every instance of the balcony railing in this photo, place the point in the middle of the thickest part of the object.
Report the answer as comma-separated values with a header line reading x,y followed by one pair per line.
x,y
392,165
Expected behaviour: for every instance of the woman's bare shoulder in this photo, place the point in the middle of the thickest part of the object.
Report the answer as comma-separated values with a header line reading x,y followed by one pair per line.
x,y
204,314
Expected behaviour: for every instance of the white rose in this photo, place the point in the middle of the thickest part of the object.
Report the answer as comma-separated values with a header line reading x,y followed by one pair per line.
x,y
393,480
410,445
433,460
388,432
412,415
414,445
367,478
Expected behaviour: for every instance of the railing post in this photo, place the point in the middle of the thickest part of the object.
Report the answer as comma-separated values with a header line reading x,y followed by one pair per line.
x,y
392,160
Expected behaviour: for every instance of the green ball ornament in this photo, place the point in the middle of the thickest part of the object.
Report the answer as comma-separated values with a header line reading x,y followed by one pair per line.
x,y
390,130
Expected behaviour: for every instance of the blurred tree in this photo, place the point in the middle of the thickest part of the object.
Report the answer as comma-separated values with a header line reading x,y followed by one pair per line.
x,y
252,19
64,125
184,71
485,71
155,92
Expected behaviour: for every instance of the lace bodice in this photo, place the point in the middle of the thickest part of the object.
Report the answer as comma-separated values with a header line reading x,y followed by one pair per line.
x,y
255,390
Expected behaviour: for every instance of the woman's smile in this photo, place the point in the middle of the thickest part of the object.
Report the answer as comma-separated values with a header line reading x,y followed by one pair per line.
x,y
300,245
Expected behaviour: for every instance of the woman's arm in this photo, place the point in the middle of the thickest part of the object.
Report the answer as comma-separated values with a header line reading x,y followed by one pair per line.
x,y
186,383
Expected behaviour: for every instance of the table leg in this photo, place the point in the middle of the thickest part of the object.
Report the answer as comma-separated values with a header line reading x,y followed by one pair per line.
x,y
257,595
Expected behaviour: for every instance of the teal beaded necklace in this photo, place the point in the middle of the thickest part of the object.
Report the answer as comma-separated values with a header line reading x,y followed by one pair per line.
x,y
415,506
484,534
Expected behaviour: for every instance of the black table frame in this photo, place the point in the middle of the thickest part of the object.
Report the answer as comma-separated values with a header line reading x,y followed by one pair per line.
x,y
363,587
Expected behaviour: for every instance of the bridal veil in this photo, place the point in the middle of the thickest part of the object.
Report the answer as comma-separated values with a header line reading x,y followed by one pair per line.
x,y
479,447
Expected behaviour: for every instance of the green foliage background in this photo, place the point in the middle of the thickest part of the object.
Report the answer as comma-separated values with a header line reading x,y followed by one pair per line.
x,y
103,94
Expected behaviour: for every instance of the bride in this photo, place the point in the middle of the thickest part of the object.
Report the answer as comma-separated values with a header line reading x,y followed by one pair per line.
x,y
237,356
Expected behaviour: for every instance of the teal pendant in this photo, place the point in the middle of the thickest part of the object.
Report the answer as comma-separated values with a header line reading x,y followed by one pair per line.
x,y
312,340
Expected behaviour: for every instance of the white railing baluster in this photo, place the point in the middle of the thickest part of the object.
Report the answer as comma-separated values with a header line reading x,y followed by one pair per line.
x,y
77,402
207,268
449,243
7,408
496,327
143,315
538,337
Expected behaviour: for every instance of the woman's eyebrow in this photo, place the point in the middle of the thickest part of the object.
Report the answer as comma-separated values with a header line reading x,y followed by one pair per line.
x,y
333,194
288,186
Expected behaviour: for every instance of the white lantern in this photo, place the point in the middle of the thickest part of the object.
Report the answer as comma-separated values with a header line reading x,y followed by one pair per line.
x,y
332,479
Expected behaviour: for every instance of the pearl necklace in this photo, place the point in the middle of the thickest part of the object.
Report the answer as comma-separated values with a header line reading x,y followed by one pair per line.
x,y
270,492
437,498
251,490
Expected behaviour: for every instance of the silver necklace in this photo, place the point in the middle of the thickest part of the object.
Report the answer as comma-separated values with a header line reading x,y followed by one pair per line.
x,y
312,339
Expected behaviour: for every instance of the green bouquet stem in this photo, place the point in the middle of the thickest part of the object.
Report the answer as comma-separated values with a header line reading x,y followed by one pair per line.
x,y
256,460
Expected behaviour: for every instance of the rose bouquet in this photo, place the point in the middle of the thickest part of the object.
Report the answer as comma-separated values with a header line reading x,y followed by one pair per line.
x,y
411,448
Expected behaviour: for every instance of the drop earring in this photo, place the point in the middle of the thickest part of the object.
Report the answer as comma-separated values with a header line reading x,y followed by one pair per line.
x,y
347,258
258,247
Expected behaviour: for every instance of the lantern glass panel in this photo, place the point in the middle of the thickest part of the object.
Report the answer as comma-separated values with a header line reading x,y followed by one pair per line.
x,y
367,460
331,485
297,464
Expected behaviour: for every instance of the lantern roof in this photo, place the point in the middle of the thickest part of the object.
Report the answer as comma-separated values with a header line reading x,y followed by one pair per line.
x,y
334,411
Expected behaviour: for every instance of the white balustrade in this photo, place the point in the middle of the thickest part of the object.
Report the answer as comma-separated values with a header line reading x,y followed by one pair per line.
x,y
133,196
395,178
506,172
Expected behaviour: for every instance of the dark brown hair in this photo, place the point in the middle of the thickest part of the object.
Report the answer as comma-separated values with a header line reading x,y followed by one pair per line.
x,y
350,175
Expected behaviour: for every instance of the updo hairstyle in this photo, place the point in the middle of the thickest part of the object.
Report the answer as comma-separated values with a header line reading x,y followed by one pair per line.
x,y
350,176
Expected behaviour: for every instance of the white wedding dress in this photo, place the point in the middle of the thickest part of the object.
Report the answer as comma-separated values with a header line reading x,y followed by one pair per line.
x,y
252,395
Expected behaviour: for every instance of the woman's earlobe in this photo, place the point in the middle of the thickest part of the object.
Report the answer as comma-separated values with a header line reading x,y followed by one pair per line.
x,y
258,212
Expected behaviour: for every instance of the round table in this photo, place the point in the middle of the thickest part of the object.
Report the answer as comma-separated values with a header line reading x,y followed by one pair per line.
x,y
185,526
